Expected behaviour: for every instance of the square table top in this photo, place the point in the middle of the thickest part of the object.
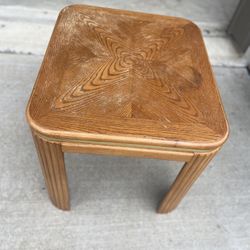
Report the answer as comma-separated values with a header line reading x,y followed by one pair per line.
x,y
127,77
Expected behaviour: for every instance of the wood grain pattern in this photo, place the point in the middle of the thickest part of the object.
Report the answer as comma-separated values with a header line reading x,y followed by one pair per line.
x,y
119,74
185,179
125,83
52,163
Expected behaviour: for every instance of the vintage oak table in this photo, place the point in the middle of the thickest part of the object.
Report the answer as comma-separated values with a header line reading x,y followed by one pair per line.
x,y
125,83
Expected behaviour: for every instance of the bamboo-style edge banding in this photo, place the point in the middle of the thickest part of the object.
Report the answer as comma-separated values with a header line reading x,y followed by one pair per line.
x,y
126,151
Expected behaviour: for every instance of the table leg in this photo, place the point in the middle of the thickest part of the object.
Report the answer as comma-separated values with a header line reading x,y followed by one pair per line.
x,y
185,179
52,163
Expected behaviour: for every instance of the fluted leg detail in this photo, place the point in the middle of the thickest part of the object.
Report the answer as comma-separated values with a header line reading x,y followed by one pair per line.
x,y
183,182
52,162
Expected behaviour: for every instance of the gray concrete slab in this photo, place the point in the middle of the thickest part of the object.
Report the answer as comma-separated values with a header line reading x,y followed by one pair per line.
x,y
218,12
114,198
26,26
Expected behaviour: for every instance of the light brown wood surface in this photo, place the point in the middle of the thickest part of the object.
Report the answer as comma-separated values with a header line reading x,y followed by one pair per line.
x,y
125,83
51,160
124,76
126,151
183,182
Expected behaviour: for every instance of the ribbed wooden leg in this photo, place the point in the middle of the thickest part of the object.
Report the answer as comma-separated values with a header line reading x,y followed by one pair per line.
x,y
183,182
52,162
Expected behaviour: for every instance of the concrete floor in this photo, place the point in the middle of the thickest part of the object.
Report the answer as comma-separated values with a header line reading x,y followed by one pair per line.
x,y
114,198
23,21
219,12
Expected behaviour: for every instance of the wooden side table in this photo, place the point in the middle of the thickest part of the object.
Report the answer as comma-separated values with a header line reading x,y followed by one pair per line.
x,y
125,83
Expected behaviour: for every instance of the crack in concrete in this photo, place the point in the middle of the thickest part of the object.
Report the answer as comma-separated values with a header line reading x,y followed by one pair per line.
x,y
13,52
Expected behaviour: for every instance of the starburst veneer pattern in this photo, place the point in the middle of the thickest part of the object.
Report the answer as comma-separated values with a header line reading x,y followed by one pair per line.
x,y
126,83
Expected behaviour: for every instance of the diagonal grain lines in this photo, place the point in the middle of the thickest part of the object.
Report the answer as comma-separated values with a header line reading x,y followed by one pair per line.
x,y
129,84
148,70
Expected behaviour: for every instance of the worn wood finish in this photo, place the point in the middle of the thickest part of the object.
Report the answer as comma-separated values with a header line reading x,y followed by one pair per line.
x,y
185,179
119,75
125,83
52,163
